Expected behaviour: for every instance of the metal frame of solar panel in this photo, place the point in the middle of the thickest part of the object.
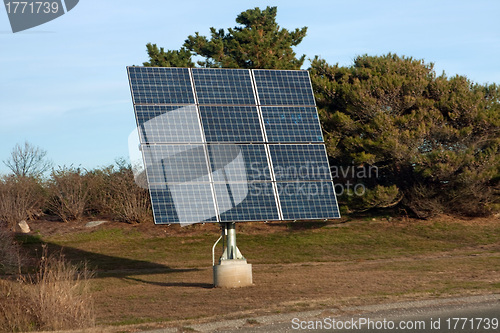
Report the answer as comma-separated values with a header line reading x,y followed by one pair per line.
x,y
231,145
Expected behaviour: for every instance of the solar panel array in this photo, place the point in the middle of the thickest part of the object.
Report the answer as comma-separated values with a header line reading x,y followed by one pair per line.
x,y
230,145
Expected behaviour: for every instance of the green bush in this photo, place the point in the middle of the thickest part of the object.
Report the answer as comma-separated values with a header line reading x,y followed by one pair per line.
x,y
434,140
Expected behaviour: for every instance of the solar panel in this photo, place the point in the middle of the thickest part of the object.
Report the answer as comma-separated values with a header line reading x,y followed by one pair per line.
x,y
292,124
168,123
239,163
300,162
182,203
231,145
158,85
223,86
246,202
231,123
283,87
308,200
176,163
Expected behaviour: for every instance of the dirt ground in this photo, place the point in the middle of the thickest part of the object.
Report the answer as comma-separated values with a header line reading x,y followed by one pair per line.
x,y
292,287
181,296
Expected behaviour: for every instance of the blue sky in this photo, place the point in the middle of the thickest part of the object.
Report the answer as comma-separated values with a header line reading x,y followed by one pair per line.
x,y
63,85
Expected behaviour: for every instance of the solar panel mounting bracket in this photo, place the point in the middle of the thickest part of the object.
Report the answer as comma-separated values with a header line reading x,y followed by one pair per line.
x,y
231,251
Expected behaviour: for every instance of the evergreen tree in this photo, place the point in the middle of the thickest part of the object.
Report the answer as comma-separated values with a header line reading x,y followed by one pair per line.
x,y
435,141
172,58
259,42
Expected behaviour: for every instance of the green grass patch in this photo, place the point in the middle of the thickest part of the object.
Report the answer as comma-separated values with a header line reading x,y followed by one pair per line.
x,y
95,236
115,248
364,241
28,239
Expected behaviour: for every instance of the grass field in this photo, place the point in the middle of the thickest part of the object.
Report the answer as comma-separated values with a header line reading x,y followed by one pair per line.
x,y
149,276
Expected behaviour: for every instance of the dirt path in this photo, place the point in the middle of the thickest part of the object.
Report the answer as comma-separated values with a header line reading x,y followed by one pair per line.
x,y
171,297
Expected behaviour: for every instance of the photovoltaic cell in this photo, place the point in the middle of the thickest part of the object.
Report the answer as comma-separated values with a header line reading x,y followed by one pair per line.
x,y
175,163
231,123
183,203
306,162
223,86
283,87
308,200
292,124
168,124
239,163
158,85
246,202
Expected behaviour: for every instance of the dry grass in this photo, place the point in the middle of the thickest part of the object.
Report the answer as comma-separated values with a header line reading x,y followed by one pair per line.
x,y
10,258
55,297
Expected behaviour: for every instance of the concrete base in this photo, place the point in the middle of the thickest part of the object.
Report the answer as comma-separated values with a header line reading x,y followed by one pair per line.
x,y
234,273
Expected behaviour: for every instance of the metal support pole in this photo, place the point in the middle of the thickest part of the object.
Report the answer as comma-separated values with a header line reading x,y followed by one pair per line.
x,y
233,271
231,240
231,251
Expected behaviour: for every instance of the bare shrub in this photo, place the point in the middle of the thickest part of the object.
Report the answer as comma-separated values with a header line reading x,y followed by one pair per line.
x,y
69,191
56,297
109,191
125,199
99,180
21,198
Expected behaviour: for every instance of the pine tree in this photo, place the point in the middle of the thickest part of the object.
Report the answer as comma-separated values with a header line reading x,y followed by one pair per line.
x,y
172,58
258,42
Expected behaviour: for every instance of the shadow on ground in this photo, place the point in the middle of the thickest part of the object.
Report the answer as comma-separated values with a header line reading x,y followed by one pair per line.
x,y
103,265
171,284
